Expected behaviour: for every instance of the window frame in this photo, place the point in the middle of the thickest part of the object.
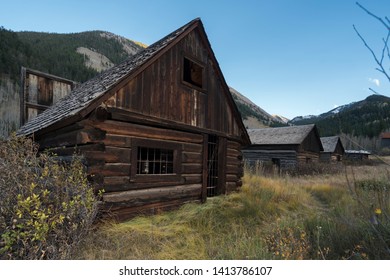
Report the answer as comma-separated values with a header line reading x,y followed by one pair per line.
x,y
201,65
155,144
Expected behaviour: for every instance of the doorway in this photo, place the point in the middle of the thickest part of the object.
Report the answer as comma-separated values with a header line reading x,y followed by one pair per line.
x,y
212,166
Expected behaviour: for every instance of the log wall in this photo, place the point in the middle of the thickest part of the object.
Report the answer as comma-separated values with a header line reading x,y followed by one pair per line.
x,y
108,148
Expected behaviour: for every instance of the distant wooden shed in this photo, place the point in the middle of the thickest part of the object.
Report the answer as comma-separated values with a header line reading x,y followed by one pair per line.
x,y
284,147
333,149
385,140
357,155
158,130
39,91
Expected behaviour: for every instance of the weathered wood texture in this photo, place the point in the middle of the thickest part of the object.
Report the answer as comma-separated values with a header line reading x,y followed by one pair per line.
x,y
159,92
308,157
234,166
40,91
287,159
331,157
107,149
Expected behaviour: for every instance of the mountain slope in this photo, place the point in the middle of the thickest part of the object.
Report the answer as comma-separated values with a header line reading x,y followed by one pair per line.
x,y
368,117
252,115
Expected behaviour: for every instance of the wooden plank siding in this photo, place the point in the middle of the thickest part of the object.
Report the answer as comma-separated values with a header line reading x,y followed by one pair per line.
x,y
40,91
155,94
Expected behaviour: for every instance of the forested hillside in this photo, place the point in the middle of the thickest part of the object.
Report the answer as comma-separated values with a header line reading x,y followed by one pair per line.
x,y
368,118
13,53
57,53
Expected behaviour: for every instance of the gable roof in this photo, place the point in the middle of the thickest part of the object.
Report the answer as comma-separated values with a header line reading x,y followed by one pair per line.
x,y
87,96
289,135
330,143
84,95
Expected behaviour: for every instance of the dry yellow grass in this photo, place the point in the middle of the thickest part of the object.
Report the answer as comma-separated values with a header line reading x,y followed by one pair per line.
x,y
308,217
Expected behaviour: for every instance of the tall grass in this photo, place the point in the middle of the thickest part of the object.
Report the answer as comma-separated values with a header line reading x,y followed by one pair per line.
x,y
302,217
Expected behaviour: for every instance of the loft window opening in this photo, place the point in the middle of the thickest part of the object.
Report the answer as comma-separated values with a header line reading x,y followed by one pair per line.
x,y
154,161
193,73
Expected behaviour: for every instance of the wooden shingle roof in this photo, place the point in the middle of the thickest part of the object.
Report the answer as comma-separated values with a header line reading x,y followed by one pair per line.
x,y
329,143
289,135
84,98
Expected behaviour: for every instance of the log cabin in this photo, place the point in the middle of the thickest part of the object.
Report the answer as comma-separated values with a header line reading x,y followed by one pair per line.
x,y
158,130
283,147
333,149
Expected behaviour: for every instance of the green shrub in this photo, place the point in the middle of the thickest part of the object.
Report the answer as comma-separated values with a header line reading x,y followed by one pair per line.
x,y
46,206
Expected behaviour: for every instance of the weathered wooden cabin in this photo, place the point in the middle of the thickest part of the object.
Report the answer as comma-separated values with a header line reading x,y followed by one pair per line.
x,y
385,140
333,149
283,147
156,131
357,155
39,91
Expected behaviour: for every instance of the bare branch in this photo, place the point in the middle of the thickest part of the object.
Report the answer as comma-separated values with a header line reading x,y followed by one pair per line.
x,y
387,24
374,91
385,46
380,64
387,49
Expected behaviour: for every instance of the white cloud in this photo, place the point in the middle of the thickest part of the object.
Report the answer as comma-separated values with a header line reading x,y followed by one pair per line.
x,y
375,81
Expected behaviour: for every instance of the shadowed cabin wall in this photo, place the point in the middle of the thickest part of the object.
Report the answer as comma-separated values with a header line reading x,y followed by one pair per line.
x,y
108,148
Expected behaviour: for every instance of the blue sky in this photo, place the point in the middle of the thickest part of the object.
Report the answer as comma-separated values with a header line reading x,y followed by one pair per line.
x,y
290,57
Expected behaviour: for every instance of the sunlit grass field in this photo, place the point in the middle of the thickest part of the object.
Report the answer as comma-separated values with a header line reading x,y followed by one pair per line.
x,y
337,216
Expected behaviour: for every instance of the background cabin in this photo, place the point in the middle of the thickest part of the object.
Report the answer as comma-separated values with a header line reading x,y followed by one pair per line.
x,y
39,91
357,155
156,131
283,147
333,149
385,140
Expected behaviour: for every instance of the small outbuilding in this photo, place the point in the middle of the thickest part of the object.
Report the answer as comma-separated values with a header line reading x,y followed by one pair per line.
x,y
357,155
284,147
385,140
39,91
156,131
333,149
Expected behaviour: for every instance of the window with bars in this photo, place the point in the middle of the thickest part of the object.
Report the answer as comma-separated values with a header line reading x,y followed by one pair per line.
x,y
155,161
